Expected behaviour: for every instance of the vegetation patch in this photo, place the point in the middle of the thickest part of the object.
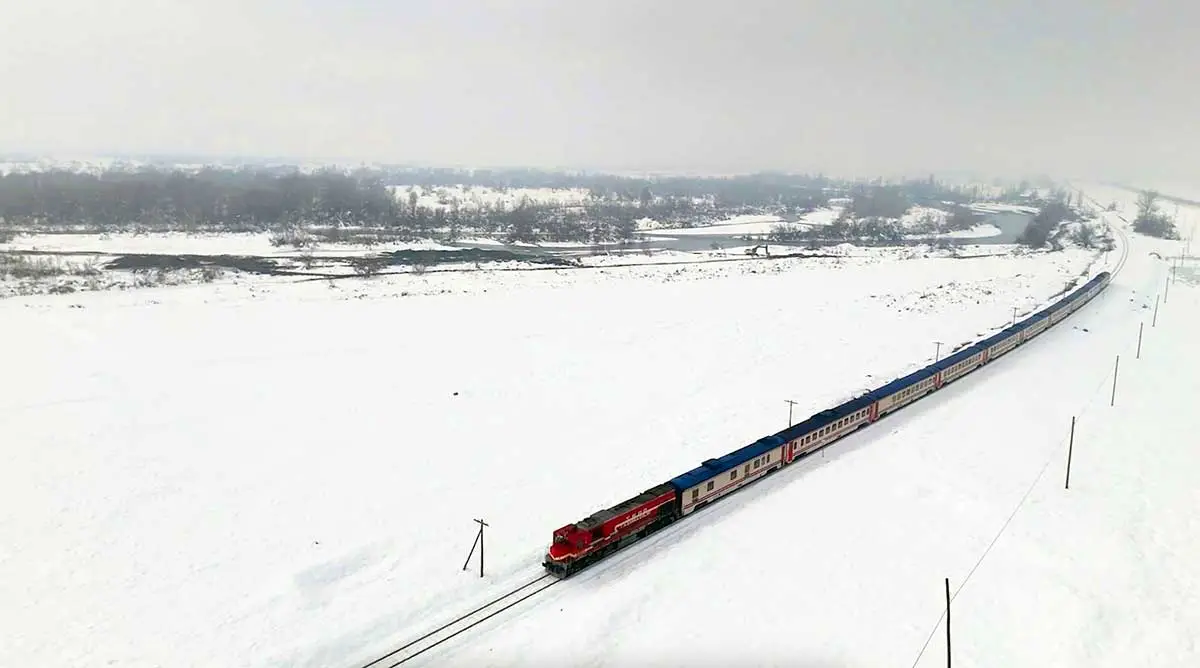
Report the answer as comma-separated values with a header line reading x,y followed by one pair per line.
x,y
151,261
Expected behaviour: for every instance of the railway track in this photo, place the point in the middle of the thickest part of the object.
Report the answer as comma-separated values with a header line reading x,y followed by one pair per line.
x,y
1120,232
418,646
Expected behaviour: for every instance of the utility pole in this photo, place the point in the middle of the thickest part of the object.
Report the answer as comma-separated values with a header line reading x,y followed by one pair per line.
x,y
790,404
1116,368
1014,320
937,354
1070,449
1139,347
479,542
947,622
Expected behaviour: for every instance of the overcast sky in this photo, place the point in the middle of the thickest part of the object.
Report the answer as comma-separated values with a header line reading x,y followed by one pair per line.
x,y
1086,88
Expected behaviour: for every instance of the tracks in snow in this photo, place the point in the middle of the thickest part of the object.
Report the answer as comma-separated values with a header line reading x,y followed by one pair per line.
x,y
414,648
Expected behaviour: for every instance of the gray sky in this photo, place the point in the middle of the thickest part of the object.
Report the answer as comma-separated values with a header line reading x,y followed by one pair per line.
x,y
1087,88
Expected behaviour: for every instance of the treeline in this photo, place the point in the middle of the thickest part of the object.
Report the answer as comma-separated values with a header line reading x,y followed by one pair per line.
x,y
256,200
278,198
207,198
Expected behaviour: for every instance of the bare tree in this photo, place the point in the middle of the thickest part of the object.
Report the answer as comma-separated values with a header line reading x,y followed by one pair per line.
x,y
1150,221
1147,203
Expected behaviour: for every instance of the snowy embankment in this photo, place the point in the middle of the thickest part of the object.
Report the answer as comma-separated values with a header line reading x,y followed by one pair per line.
x,y
268,473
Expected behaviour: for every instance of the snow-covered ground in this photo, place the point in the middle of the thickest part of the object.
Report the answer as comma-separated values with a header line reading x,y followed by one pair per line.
x,y
81,260
478,197
750,224
993,207
275,473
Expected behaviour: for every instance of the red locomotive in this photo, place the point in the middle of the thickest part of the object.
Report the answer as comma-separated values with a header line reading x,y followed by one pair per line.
x,y
577,545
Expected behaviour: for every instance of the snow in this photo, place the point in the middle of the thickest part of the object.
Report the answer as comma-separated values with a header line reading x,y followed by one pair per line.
x,y
478,197
923,214
977,232
996,207
749,224
276,473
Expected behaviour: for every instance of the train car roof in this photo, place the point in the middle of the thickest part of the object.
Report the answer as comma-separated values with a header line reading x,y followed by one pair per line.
x,y
955,358
1049,310
826,417
856,404
596,519
901,383
1007,332
715,467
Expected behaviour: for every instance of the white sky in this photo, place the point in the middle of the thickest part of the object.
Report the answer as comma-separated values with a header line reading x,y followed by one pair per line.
x,y
1088,88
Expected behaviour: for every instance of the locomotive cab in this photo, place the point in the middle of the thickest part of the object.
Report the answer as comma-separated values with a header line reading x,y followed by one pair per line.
x,y
569,540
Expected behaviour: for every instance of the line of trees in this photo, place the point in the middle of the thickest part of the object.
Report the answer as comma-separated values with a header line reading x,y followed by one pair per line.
x,y
254,200
280,199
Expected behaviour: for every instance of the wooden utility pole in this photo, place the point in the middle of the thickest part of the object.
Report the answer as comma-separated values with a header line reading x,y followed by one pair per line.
x,y
479,542
947,622
1070,448
1139,348
1116,368
937,354
1154,321
790,404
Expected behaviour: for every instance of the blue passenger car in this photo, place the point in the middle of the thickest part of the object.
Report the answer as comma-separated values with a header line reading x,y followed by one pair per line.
x,y
717,477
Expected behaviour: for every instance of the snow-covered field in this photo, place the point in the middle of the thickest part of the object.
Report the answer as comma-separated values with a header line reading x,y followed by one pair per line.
x,y
756,223
273,473
479,197
81,260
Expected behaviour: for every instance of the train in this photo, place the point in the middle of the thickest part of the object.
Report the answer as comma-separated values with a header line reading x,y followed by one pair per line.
x,y
576,546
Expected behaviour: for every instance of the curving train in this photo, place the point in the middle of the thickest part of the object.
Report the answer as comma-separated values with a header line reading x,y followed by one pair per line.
x,y
576,546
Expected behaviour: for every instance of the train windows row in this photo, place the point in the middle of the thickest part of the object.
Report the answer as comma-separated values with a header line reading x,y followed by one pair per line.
x,y
757,464
908,391
832,427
